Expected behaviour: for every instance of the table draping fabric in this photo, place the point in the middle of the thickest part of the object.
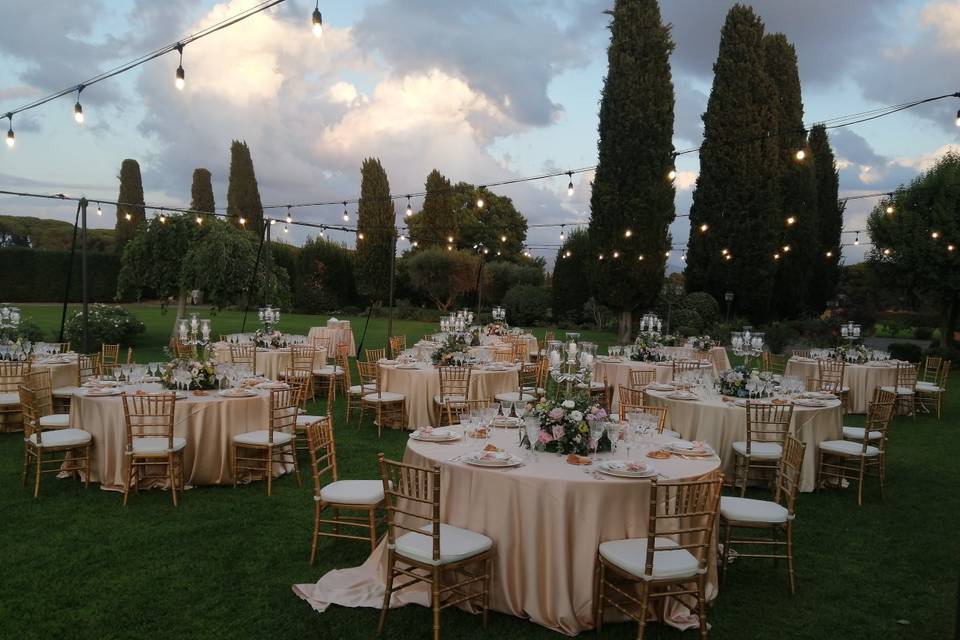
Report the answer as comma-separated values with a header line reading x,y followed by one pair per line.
x,y
861,379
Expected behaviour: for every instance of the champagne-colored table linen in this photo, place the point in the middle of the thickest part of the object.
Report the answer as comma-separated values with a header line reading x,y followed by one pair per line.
x,y
61,375
341,334
718,355
861,379
270,362
533,347
419,386
616,372
546,519
208,423
720,424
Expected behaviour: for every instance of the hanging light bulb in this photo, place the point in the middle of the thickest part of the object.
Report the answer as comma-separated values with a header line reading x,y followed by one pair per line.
x,y
934,234
409,208
163,218
562,235
724,252
485,251
616,254
958,117
289,217
791,220
672,174
360,236
272,222
801,154
346,214
78,108
628,233
99,209
890,208
856,241
667,254
199,220
181,78
286,229
570,184
567,254
498,252
829,254
415,243
449,247
786,248
242,221
600,257
480,197
321,231
728,256
128,217
776,256
950,247
503,238
11,136
449,238
886,252
317,21
704,227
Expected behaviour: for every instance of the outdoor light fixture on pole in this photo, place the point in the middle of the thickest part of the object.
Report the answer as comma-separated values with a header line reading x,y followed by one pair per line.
x,y
728,298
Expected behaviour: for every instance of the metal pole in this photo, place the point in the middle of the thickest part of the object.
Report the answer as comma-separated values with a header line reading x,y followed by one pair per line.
x,y
479,288
66,291
393,261
253,282
83,274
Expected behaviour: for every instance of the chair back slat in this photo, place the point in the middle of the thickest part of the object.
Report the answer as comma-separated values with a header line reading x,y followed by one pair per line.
x,y
454,382
244,354
283,412
642,377
29,414
931,369
681,367
660,413
788,472
767,422
323,453
397,344
879,414
907,376
149,415
109,354
303,357
375,355
412,493
684,512
40,381
830,373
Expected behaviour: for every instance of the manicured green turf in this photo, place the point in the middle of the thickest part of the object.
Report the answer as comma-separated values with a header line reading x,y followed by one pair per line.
x,y
75,563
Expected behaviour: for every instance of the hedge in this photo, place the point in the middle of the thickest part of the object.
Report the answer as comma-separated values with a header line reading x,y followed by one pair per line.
x,y
34,275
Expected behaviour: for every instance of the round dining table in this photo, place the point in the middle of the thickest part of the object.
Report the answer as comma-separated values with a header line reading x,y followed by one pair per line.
x,y
270,362
419,382
63,368
717,355
861,379
208,422
719,422
615,370
546,519
337,333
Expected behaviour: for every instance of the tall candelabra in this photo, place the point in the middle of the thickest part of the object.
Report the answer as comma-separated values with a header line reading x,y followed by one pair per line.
x,y
194,331
9,321
571,363
499,314
850,331
746,343
269,317
650,323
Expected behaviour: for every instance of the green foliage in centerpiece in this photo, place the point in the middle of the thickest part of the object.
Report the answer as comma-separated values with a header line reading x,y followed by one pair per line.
x,y
733,382
269,339
852,353
648,347
202,373
704,343
565,425
455,347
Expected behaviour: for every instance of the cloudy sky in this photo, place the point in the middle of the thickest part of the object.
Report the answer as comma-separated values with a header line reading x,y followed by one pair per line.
x,y
482,91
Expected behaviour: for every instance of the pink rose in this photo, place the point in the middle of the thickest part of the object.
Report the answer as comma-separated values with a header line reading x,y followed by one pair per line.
x,y
555,414
558,431
545,438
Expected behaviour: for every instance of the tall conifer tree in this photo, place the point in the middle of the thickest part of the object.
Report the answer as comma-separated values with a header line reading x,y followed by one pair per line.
x,y
829,217
243,195
376,218
436,221
130,213
736,192
201,191
799,248
632,202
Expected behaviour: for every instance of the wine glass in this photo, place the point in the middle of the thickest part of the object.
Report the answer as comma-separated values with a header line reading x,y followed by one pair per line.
x,y
532,427
596,432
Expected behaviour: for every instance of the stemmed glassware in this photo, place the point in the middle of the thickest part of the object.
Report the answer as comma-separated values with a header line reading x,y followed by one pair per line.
x,y
531,426
596,432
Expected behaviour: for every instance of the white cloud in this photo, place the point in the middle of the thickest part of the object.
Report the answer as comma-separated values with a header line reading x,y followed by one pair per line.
x,y
342,92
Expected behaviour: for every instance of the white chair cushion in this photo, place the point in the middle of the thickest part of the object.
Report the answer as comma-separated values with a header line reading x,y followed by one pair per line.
x,y
455,544
9,398
55,421
593,385
63,438
365,492
260,437
670,433
631,556
929,387
452,398
856,433
900,391
759,450
64,392
747,510
157,445
847,448
296,373
514,396
304,420
385,396
541,391
358,390
328,371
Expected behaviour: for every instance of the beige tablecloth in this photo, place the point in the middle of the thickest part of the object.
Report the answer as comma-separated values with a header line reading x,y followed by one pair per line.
x,y
208,423
342,334
533,346
546,519
718,355
61,374
720,424
270,362
861,379
420,385
616,372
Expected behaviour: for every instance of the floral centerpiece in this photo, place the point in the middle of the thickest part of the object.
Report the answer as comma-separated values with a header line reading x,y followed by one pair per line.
x,y
703,343
269,339
456,347
647,348
565,425
202,373
733,382
852,353
497,329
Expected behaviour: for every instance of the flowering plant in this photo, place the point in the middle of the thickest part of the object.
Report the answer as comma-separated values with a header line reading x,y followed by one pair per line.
x,y
647,348
565,425
497,329
455,348
853,353
733,382
269,339
202,373
703,343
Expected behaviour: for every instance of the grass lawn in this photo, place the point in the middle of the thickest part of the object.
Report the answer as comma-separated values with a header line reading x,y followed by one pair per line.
x,y
75,563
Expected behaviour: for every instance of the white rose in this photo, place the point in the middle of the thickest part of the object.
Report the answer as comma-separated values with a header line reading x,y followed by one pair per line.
x,y
576,416
568,404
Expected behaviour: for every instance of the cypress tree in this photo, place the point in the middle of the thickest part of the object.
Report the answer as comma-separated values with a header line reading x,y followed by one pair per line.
x,y
243,195
799,248
436,221
201,191
632,202
130,214
376,218
829,217
736,192
570,289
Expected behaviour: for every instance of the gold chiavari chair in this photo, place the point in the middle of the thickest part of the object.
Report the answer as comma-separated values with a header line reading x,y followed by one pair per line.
x,y
528,383
41,446
461,409
275,444
109,354
397,344
503,355
454,389
831,374
150,443
341,361
62,347
933,392
906,389
40,382
931,370
767,426
389,408
185,350
244,354
660,413
434,551
679,368
773,362
321,342
671,561
12,373
519,351
642,377
303,361
87,368
354,496
774,517
375,355
800,353
599,391
543,375
355,392
298,384
853,461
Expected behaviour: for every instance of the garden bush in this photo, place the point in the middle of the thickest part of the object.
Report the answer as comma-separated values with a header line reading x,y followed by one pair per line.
x,y
947,353
686,332
28,329
922,333
687,318
527,305
107,324
905,351
705,305
779,335
501,276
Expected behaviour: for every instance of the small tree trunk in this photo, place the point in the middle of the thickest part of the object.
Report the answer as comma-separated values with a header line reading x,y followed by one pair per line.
x,y
626,327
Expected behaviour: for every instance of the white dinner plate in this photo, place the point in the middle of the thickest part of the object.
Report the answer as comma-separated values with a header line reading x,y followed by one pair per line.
x,y
622,469
237,393
101,393
449,436
660,386
681,395
811,402
493,459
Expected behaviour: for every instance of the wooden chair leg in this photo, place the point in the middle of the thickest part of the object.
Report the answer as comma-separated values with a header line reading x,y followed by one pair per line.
x,y
236,471
372,515
39,469
172,472
790,572
435,601
26,464
644,603
317,508
702,606
387,592
725,555
268,466
598,578
863,463
86,467
127,463
488,574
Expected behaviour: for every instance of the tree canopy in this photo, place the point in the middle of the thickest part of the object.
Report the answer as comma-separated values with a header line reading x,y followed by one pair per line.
x,y
436,220
376,218
130,212
443,276
201,191
243,194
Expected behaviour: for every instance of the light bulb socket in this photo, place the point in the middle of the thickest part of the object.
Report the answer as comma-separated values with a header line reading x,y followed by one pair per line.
x,y
316,19
181,77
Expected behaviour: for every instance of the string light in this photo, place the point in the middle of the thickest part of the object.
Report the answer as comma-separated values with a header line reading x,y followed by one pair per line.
x,y
640,258
776,256
449,247
600,257
724,252
950,247
99,209
243,221
890,208
11,136
786,248
346,214
321,231
801,154
78,108
704,227
200,220
627,233
317,21
128,216
829,254
450,239
181,78
616,254
503,238
485,250
856,241
684,256
498,252
567,254
401,238
667,254
935,234
886,252
409,208
570,185
562,235
727,256
480,198
272,222
289,217
360,236
791,220
163,218
672,174
416,243
286,229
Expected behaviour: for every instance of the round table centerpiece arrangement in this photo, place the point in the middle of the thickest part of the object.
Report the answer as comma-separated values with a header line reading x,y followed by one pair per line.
x,y
269,339
455,349
570,426
188,374
647,348
703,343
851,353
741,382
497,329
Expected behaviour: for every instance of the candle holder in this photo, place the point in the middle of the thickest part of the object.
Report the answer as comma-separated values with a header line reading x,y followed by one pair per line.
x,y
747,344
9,322
570,363
194,331
269,317
850,331
499,314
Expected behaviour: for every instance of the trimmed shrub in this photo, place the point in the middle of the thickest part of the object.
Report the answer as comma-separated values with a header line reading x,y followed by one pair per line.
x,y
107,324
947,353
922,333
688,318
527,305
686,331
905,351
779,335
32,275
705,305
